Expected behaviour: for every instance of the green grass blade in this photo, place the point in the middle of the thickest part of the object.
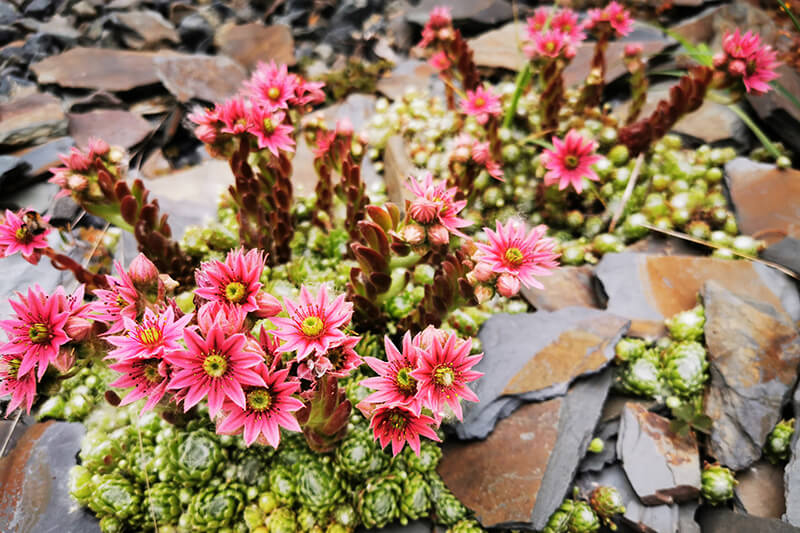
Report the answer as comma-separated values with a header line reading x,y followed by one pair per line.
x,y
756,130
791,15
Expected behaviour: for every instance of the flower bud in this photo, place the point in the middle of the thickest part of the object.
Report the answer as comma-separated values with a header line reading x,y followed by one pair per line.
x,y
143,272
483,293
206,133
720,59
64,360
413,234
438,234
98,147
344,127
230,318
483,272
167,282
268,305
422,210
508,285
633,50
737,68
76,182
78,328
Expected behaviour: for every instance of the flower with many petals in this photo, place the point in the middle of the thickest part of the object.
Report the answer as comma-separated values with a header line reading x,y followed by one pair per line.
x,y
234,281
228,317
615,15
566,21
443,373
341,359
270,131
481,103
217,366
22,388
121,299
156,335
308,93
148,377
37,331
570,161
434,203
312,325
398,425
760,70
741,46
266,408
272,86
538,21
23,232
394,383
510,251
481,154
440,61
235,115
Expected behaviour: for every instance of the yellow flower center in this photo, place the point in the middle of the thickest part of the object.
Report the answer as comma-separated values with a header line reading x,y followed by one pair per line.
x,y
242,122
23,235
273,93
215,365
150,372
480,102
259,400
12,367
312,326
234,292
39,333
514,256
444,376
150,336
550,46
269,127
406,383
571,162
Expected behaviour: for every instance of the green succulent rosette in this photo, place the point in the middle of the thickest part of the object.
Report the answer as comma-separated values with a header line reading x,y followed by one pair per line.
x,y
379,502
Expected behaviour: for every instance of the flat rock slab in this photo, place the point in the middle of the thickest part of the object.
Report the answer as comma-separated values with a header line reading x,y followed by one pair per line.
x,y
208,78
148,29
754,351
30,119
726,521
569,286
650,288
115,126
766,199
34,479
98,68
664,518
760,490
785,252
250,43
520,474
541,354
607,432
45,156
663,467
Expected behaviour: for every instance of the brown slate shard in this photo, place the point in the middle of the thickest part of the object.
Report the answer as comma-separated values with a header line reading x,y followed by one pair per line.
x,y
208,78
115,126
766,200
148,29
31,119
567,287
663,467
754,352
250,43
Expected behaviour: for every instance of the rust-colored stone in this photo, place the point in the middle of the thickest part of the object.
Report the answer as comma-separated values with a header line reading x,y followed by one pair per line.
x,y
567,287
12,477
767,200
250,43
499,478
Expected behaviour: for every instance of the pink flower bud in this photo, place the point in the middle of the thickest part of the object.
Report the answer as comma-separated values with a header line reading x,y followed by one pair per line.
x,y
483,272
423,211
483,293
76,182
633,50
64,360
344,127
424,339
413,234
508,285
206,133
570,52
268,305
737,68
98,147
720,59
143,272
230,318
78,328
438,234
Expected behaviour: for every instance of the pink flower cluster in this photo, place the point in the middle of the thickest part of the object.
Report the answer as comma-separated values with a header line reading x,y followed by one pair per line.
x,y
39,335
414,386
80,169
24,232
433,213
746,58
553,33
467,149
438,28
614,16
261,112
511,259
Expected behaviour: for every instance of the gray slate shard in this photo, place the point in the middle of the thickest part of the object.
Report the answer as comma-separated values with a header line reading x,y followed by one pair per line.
x,y
542,353
785,252
726,521
663,518
754,352
594,462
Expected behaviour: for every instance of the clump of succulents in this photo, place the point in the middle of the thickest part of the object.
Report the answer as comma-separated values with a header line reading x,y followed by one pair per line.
x,y
573,516
778,445
717,484
607,502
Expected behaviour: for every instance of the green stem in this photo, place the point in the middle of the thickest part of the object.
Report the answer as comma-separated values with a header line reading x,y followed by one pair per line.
x,y
407,261
756,130
109,213
397,286
791,15
523,78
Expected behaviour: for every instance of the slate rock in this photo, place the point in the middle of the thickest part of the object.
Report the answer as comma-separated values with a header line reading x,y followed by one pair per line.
x,y
663,467
60,28
45,156
41,8
791,476
542,354
520,474
488,12
250,43
754,351
662,518
760,490
714,520
8,13
607,432
196,32
98,68
207,78
146,29
568,286
785,252
34,478
11,170
766,199
30,119
650,288
115,126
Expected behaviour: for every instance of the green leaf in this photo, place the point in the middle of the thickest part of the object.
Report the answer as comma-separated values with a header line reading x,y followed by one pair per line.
x,y
523,78
756,131
700,53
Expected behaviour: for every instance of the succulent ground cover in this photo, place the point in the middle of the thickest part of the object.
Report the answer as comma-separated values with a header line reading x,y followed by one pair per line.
x,y
295,363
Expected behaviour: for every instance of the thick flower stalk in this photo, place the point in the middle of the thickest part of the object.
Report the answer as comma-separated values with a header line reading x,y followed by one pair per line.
x,y
96,181
637,67
685,97
604,23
